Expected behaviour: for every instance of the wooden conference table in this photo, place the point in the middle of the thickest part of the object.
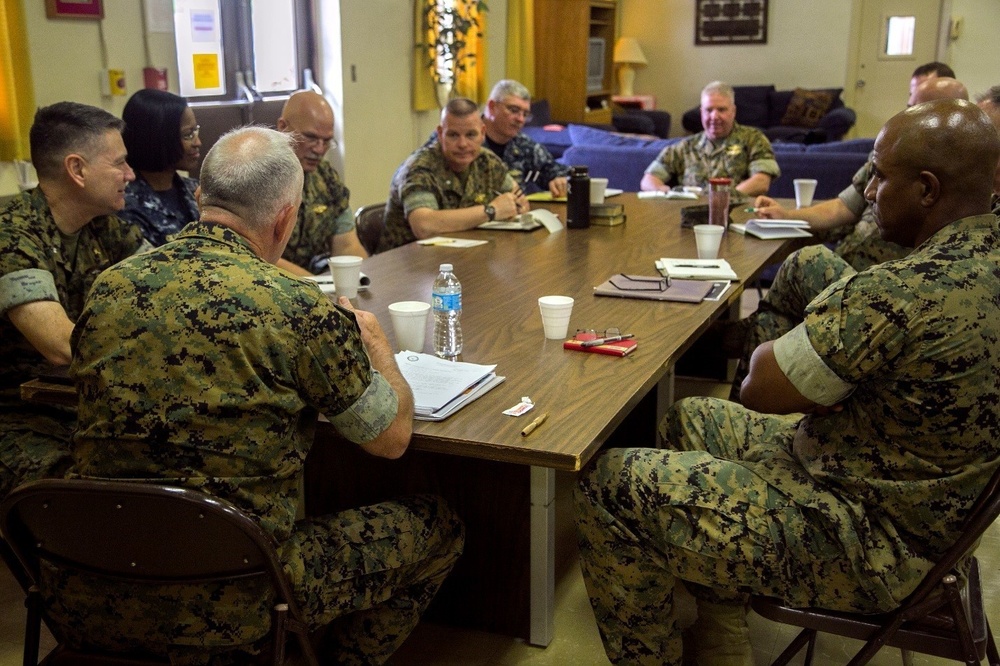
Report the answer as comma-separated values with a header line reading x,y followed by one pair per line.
x,y
502,484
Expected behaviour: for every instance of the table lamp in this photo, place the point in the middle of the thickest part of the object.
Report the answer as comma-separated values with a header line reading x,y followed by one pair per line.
x,y
628,54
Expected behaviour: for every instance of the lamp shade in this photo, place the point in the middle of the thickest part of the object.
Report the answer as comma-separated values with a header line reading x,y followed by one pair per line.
x,y
628,51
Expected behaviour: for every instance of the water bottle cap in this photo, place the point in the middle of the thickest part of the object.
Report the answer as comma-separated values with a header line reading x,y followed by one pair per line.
x,y
446,268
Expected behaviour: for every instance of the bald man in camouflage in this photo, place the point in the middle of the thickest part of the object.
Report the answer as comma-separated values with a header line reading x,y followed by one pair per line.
x,y
203,364
326,222
876,428
807,272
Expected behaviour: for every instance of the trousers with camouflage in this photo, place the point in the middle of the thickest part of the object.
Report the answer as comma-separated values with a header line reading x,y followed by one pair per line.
x,y
34,443
699,514
803,276
362,578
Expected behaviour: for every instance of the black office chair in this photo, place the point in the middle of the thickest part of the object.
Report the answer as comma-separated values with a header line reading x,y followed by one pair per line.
x,y
939,618
370,220
141,533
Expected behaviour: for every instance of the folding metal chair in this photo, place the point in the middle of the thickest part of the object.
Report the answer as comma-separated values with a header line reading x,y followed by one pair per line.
x,y
143,534
939,618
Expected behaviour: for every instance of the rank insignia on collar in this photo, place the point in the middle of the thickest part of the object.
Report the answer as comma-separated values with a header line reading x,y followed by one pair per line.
x,y
319,209
734,150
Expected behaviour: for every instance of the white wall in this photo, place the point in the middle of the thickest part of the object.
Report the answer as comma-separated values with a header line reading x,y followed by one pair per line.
x,y
975,55
806,46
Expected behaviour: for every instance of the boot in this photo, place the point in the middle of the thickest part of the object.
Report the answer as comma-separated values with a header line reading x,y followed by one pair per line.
x,y
721,636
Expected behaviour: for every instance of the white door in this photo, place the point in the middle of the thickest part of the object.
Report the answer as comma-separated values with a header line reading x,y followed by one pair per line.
x,y
896,37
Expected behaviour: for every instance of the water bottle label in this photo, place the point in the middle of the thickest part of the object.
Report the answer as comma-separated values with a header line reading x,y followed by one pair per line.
x,y
444,302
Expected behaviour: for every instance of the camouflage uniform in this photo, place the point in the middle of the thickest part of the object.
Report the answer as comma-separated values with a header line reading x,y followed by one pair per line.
x,y
202,365
524,155
692,161
325,212
807,272
157,220
425,181
38,263
844,511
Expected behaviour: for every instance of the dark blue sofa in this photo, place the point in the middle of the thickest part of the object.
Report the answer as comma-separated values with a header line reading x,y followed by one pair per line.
x,y
623,160
764,107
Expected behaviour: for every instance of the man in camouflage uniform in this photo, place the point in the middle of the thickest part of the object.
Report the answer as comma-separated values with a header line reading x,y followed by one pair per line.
x,y
326,223
54,240
202,364
723,149
807,272
850,505
507,110
450,185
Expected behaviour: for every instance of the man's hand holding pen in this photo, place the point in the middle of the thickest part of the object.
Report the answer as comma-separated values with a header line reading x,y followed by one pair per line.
x,y
510,204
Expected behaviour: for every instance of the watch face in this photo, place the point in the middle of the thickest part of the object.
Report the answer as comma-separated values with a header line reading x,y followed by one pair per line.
x,y
491,213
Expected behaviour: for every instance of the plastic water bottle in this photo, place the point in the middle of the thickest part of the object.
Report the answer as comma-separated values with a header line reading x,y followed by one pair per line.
x,y
446,300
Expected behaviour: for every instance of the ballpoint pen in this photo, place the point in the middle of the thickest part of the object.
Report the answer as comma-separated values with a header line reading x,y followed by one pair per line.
x,y
694,266
609,339
530,428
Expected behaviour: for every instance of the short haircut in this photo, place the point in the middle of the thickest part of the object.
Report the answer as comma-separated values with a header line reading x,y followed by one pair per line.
x,y
252,172
460,107
992,96
720,88
509,88
938,68
153,129
64,128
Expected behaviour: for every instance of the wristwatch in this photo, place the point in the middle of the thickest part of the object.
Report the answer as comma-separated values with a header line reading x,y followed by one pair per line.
x,y
491,212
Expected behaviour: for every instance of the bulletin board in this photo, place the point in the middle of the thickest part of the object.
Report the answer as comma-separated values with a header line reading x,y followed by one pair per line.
x,y
730,22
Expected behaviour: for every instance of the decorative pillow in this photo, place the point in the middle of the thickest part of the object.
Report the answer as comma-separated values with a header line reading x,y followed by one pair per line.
x,y
806,108
583,135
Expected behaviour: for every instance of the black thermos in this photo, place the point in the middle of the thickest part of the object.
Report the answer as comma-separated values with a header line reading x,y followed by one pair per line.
x,y
578,200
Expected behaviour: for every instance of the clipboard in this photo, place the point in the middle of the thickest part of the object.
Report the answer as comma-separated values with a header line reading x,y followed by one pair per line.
x,y
654,288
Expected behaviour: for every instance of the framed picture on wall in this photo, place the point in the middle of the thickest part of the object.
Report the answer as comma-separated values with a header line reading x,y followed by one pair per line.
x,y
730,22
81,9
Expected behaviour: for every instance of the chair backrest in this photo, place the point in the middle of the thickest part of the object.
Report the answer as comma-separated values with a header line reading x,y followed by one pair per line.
x,y
370,220
140,533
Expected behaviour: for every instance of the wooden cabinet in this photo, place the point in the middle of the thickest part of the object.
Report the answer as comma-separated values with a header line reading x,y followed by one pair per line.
x,y
568,35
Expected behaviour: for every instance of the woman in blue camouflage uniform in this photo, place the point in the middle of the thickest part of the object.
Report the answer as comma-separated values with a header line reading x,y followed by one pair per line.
x,y
161,136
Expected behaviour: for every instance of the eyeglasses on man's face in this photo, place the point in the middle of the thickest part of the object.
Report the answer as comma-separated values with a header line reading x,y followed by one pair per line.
x,y
191,134
519,111
310,139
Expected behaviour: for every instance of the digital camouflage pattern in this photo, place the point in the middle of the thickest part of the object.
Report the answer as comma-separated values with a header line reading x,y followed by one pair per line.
x,y
426,177
145,208
845,511
200,363
523,155
802,276
805,273
692,161
36,264
324,213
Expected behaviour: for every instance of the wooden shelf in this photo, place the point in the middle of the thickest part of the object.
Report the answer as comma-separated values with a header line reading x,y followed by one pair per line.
x,y
563,29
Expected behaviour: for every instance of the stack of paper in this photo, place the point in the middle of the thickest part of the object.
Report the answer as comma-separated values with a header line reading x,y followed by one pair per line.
x,y
697,269
440,388
773,229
